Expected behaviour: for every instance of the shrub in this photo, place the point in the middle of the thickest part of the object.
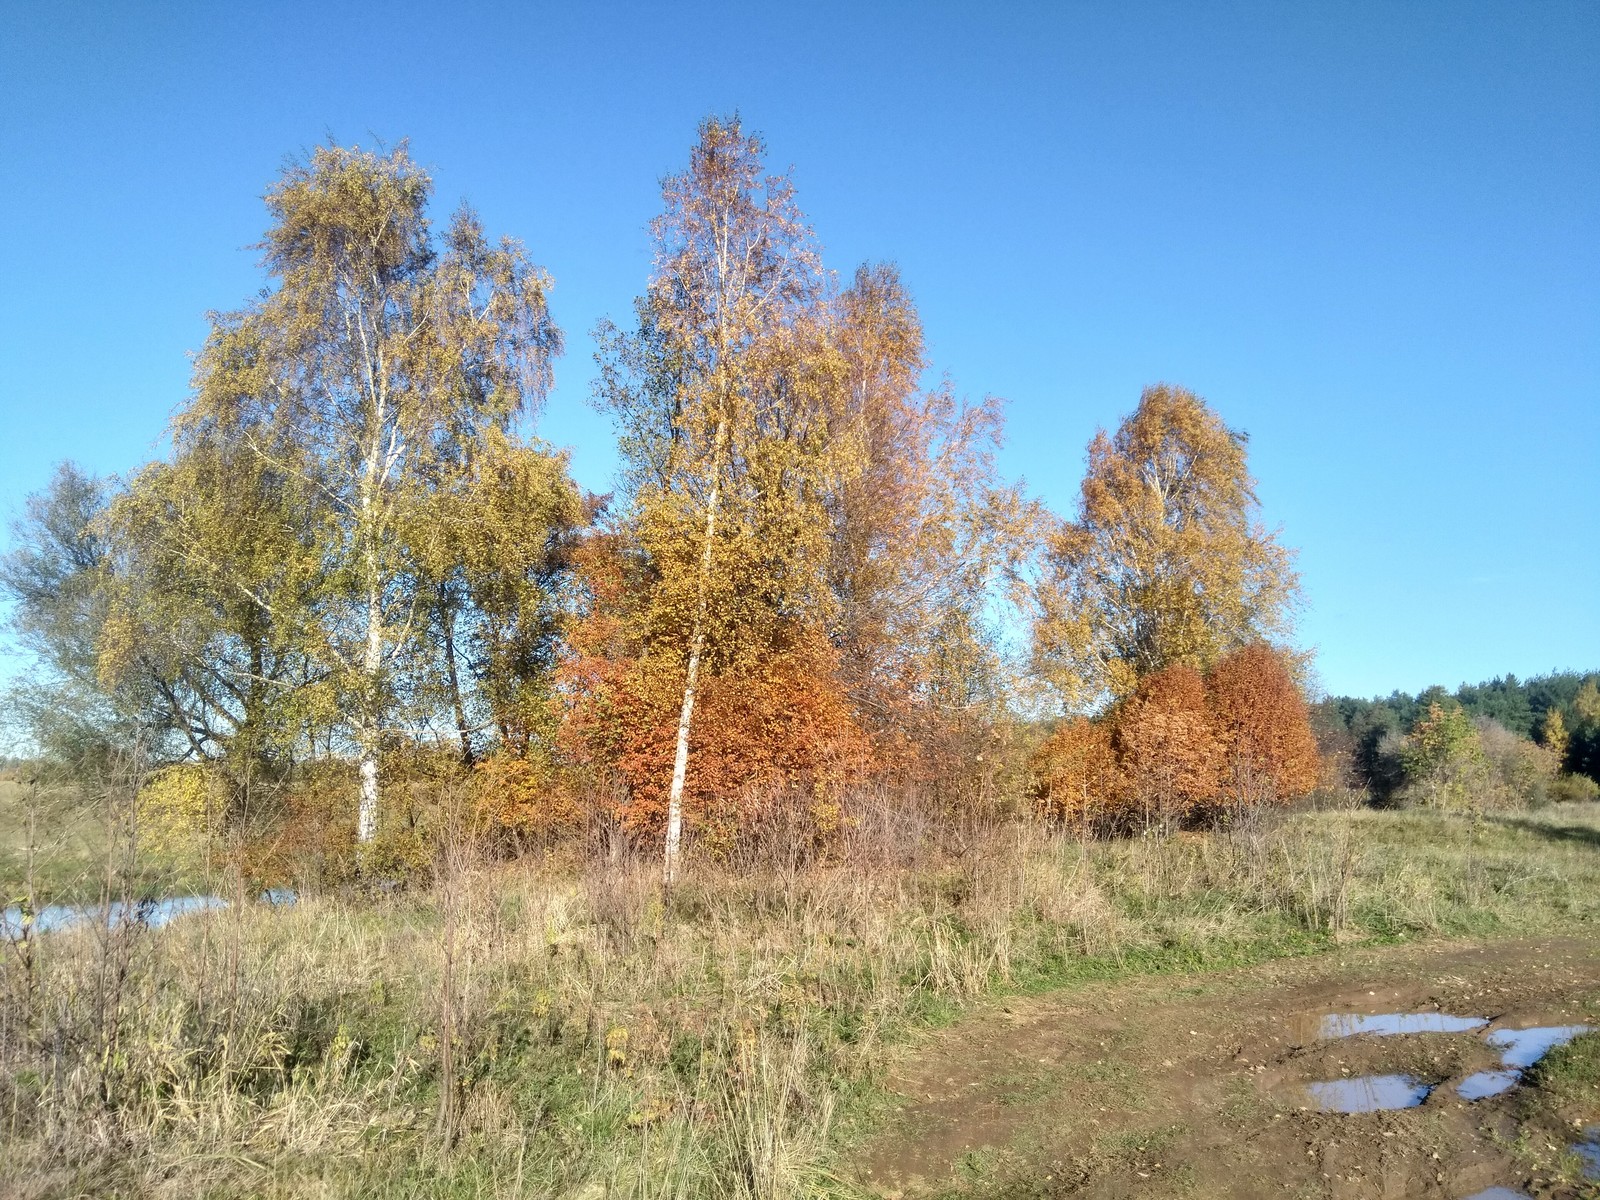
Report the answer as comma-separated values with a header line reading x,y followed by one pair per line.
x,y
1574,789
1444,762
780,727
180,813
313,843
1522,771
1169,754
1075,773
519,801
1181,746
1269,752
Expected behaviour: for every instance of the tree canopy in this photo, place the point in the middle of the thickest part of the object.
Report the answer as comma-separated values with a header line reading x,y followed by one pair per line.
x,y
358,578
1167,562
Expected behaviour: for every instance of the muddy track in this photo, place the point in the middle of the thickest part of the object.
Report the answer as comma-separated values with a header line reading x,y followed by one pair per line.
x,y
1196,1086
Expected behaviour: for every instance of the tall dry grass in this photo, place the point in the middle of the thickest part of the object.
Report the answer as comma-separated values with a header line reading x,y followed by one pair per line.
x,y
564,1029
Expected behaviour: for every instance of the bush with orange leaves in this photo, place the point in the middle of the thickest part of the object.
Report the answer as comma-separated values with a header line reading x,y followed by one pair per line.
x,y
1076,774
311,841
772,742
1183,748
1269,751
1167,748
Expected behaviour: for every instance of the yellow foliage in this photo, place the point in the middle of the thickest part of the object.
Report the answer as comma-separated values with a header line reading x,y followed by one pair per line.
x,y
617,1046
180,812
1076,772
522,797
1555,736
1167,564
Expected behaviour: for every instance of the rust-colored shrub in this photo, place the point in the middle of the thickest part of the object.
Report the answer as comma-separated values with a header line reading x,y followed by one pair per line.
x,y
1269,753
765,737
312,841
1169,753
1076,775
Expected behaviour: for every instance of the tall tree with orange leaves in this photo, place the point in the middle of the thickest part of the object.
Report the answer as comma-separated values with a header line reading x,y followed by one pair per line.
x,y
921,531
1167,561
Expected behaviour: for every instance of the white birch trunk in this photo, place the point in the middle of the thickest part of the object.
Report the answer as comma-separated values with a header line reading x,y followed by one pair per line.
x,y
371,663
372,658
697,642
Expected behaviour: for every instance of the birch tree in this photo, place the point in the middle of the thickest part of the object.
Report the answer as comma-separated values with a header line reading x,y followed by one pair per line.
x,y
722,395
923,530
1167,563
374,365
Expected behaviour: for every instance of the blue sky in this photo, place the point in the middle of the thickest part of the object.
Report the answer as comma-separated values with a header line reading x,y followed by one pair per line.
x,y
1368,234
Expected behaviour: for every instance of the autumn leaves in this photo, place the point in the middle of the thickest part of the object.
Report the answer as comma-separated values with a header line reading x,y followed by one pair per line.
x,y
1183,747
1166,573
357,554
800,526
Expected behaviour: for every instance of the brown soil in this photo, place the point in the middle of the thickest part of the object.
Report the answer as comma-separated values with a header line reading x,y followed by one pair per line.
x,y
1195,1086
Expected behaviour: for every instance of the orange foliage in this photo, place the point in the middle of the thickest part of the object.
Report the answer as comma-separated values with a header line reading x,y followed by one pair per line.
x,y
781,728
1077,772
312,842
762,735
1270,754
1181,744
1168,750
520,798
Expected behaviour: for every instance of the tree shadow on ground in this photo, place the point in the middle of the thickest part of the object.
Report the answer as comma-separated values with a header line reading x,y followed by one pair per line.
x,y
1586,835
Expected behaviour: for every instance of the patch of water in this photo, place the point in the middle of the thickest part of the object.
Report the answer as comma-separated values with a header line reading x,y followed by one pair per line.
x,y
1368,1093
1480,1085
1342,1025
1520,1048
1499,1193
1588,1152
151,913
1524,1047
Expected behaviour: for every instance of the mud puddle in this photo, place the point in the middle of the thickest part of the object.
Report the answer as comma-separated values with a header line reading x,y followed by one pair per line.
x,y
1201,1086
1368,1093
1520,1049
1343,1025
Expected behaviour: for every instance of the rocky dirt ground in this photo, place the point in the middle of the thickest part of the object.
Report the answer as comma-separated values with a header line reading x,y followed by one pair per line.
x,y
1196,1086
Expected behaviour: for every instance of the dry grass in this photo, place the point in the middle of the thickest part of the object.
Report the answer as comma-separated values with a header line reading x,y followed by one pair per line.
x,y
585,1037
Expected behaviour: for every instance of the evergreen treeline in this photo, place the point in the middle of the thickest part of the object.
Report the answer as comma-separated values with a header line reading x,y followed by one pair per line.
x,y
1559,712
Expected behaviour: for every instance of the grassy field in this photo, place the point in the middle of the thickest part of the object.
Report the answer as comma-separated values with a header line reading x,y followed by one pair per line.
x,y
542,1030
68,843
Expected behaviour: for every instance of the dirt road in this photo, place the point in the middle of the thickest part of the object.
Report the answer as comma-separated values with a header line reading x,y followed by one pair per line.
x,y
1198,1086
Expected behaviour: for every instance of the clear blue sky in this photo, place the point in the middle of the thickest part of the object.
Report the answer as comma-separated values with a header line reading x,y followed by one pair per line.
x,y
1369,234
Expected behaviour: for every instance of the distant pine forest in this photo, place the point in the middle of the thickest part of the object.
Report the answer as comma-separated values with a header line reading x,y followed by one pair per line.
x,y
1493,724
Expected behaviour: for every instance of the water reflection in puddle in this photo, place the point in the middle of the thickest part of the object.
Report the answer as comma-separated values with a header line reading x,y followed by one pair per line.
x,y
1480,1085
1499,1193
1521,1049
1588,1151
1341,1025
1524,1047
1368,1093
